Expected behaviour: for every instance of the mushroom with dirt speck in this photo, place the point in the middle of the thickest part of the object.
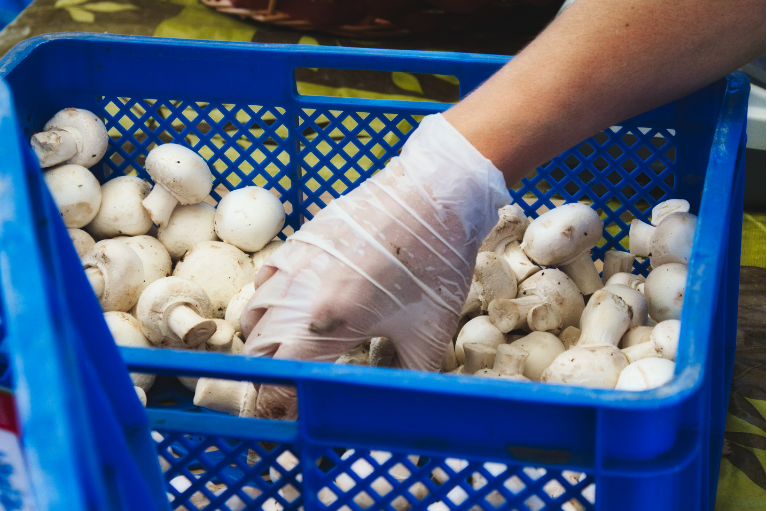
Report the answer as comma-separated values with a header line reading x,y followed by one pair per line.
x,y
181,176
73,136
249,218
174,313
76,192
121,212
664,290
227,396
154,258
543,348
115,273
188,226
479,330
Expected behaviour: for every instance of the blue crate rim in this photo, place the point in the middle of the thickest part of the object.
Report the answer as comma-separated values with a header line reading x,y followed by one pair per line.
x,y
690,364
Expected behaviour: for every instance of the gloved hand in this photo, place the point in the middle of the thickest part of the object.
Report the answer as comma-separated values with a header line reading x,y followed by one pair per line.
x,y
393,258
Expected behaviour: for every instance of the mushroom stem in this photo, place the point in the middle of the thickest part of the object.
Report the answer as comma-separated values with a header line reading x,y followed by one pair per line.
x,y
449,362
228,396
96,279
160,204
382,352
510,360
478,356
54,146
616,261
519,263
543,318
570,336
604,320
584,273
510,314
640,235
189,326
640,351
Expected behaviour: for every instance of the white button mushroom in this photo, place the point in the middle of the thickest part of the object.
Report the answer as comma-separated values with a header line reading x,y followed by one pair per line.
x,y
543,348
510,362
634,299
76,192
549,286
180,176
664,342
636,335
249,218
237,305
605,319
492,279
173,313
121,212
626,279
449,362
126,331
115,273
218,268
188,226
668,207
479,330
81,240
672,240
646,374
154,258
260,257
477,356
73,136
562,237
587,366
227,396
616,261
664,290
511,226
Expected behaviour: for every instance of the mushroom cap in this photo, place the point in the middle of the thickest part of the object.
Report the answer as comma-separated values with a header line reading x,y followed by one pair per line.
x,y
665,338
76,192
237,305
126,331
554,287
627,279
81,240
188,226
667,207
121,211
478,330
260,257
646,374
543,348
122,271
562,234
672,240
634,299
154,257
90,132
664,290
181,171
157,302
587,366
249,218
220,269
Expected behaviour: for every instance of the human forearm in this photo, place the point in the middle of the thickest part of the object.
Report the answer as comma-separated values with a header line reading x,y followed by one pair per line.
x,y
600,62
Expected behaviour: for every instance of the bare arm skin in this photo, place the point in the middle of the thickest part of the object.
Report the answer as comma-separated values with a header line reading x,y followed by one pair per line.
x,y
598,63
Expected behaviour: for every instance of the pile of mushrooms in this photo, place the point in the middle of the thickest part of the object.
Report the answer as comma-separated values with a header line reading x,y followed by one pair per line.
x,y
168,286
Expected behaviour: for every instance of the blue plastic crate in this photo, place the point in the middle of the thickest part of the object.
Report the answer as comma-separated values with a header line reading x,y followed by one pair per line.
x,y
86,435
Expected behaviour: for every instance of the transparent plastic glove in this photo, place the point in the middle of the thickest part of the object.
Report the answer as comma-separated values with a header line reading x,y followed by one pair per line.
x,y
393,258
